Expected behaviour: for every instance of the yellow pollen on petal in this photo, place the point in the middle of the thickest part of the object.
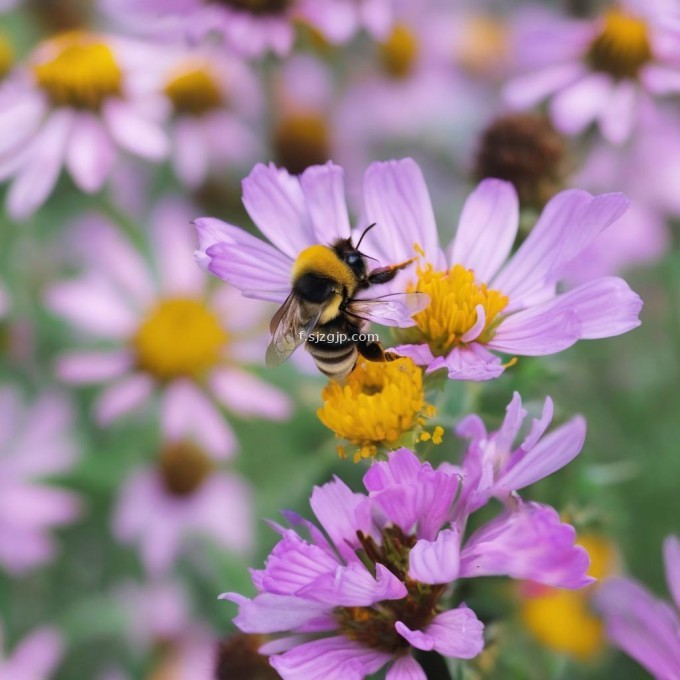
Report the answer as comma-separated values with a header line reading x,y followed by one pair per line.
x,y
622,47
399,53
563,620
6,56
452,312
81,71
381,406
193,90
179,337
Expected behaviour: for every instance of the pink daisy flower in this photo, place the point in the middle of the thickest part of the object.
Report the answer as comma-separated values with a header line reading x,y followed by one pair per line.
x,y
605,70
643,626
161,507
35,442
167,333
483,297
374,584
294,213
36,657
253,27
214,98
78,100
494,468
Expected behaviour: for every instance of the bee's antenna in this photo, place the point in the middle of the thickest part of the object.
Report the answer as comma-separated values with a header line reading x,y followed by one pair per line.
x,y
368,228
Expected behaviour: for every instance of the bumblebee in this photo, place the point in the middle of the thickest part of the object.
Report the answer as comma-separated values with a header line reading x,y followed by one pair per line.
x,y
323,312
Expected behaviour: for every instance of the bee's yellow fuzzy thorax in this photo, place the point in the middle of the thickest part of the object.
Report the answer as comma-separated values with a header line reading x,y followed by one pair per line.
x,y
323,261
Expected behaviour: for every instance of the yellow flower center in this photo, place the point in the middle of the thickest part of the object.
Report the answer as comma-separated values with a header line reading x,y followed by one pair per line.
x,y
381,405
562,620
622,47
484,44
184,468
300,141
256,6
452,312
6,56
399,52
179,337
81,72
193,90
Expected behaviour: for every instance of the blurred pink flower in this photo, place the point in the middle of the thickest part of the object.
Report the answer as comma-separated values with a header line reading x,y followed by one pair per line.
x,y
216,101
643,626
34,658
78,99
6,5
606,70
35,442
168,333
160,509
253,27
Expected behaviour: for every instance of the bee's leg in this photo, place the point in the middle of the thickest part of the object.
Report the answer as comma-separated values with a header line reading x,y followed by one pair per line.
x,y
374,351
386,274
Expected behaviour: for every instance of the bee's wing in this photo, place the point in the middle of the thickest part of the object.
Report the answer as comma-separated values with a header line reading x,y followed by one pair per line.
x,y
394,309
290,327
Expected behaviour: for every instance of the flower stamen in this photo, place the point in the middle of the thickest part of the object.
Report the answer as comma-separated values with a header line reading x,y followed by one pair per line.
x,y
381,405
193,90
622,47
179,337
452,312
81,71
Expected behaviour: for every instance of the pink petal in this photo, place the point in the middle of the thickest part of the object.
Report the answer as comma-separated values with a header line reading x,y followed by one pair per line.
x,y
36,656
397,200
618,118
92,367
436,561
472,362
93,305
671,554
129,394
487,229
248,396
406,668
190,154
324,191
457,633
421,354
525,91
276,203
550,454
134,133
580,104
37,178
335,658
186,412
354,586
90,153
173,242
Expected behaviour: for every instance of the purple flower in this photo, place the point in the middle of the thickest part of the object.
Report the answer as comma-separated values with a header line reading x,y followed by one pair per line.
x,y
52,118
646,628
34,658
214,98
374,584
483,297
293,213
166,331
35,442
160,509
605,70
494,467
253,28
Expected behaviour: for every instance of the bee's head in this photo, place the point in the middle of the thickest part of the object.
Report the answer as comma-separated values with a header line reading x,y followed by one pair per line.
x,y
347,252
